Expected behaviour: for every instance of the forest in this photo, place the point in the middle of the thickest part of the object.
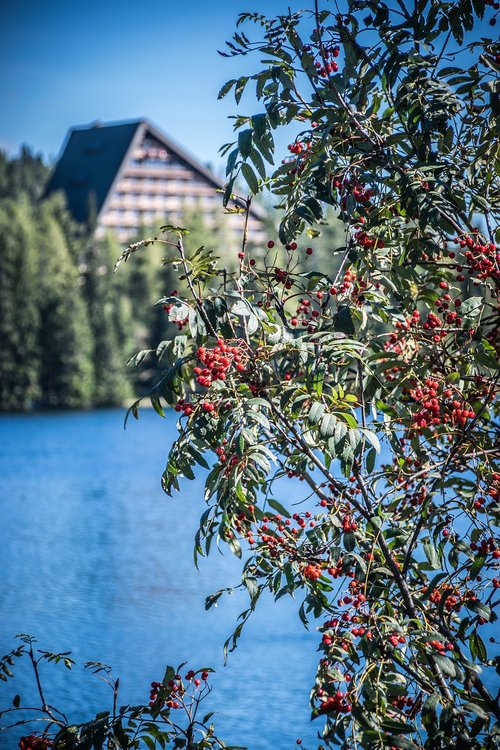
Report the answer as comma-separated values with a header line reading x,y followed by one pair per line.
x,y
68,326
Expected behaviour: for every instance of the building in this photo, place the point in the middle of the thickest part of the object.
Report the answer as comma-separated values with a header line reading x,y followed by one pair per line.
x,y
126,176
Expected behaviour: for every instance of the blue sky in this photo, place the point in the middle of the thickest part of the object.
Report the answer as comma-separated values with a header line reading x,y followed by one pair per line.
x,y
65,63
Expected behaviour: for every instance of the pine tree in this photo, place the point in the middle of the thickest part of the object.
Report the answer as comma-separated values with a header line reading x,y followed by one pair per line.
x,y
67,371
108,321
19,311
25,174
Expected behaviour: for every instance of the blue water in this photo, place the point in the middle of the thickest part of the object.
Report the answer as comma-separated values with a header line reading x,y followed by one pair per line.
x,y
96,560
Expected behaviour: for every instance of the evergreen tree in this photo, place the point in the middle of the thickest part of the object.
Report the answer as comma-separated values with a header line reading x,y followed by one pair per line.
x,y
19,311
25,174
108,327
143,283
67,371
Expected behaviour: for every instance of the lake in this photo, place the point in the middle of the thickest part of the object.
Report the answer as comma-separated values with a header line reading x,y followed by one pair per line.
x,y
97,560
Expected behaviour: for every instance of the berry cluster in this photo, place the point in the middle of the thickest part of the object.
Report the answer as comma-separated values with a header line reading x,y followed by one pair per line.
x,y
482,259
185,407
329,67
363,239
486,546
402,701
217,362
441,647
337,570
338,703
494,487
283,277
450,597
241,526
221,451
176,688
153,694
350,283
360,193
35,742
438,406
325,64
279,535
312,572
432,321
348,524
308,311
354,188
300,147
395,639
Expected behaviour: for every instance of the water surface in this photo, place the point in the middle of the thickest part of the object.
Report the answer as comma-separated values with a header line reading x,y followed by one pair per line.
x,y
97,560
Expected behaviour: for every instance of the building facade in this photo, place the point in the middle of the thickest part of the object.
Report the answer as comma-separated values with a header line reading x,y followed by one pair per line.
x,y
123,177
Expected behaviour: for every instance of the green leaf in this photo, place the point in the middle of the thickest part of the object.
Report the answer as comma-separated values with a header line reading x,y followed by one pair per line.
x,y
245,142
235,547
344,321
477,647
479,608
316,412
429,714
240,87
251,179
327,426
370,459
372,438
478,710
231,161
471,306
431,554
349,541
226,88
445,664
258,163
278,507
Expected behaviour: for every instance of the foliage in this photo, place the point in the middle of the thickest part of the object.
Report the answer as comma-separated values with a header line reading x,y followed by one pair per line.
x,y
19,314
172,718
110,328
68,325
370,389
65,343
25,174
374,385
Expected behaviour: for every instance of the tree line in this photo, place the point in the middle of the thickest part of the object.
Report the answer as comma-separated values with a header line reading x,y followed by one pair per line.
x,y
68,325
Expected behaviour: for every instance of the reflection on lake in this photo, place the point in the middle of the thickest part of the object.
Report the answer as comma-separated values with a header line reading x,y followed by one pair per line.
x,y
98,561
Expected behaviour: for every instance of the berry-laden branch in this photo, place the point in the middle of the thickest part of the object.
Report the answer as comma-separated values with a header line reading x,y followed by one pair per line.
x,y
371,375
168,719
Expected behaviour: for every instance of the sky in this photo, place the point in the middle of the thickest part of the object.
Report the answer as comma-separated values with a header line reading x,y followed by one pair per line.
x,y
66,63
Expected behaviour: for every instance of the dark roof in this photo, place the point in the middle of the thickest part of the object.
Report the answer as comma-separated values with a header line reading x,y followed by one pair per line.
x,y
89,165
94,155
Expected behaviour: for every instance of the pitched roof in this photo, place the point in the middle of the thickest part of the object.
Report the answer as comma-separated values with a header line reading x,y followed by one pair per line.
x,y
93,157
89,164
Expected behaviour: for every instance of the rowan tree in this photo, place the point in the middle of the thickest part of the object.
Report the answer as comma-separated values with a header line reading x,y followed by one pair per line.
x,y
373,385
369,383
